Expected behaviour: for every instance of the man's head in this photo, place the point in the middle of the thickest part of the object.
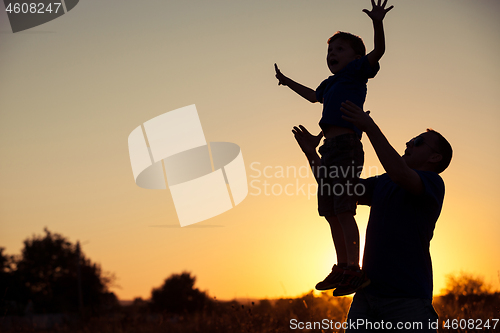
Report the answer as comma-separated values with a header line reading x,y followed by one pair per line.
x,y
343,48
428,151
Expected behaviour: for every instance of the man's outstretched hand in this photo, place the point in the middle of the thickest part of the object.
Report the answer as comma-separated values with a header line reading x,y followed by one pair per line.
x,y
306,140
355,115
378,11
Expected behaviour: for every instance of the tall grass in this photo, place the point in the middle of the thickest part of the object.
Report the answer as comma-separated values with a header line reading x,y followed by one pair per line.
x,y
268,316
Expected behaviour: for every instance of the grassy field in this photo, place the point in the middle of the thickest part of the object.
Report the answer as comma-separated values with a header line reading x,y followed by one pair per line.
x,y
274,316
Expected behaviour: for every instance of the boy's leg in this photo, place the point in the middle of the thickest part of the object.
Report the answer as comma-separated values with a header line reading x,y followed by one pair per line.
x,y
353,278
351,237
335,277
350,162
326,209
308,144
347,161
327,179
338,239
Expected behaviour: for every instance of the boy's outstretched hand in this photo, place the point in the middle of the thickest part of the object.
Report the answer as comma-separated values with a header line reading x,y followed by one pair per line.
x,y
378,11
355,115
281,78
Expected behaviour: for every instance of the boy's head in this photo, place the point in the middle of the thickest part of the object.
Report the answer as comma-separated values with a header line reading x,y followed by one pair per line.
x,y
343,48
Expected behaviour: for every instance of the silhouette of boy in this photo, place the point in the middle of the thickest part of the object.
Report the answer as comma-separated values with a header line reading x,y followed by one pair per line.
x,y
342,153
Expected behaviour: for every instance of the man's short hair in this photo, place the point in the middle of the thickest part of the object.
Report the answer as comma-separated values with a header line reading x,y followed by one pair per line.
x,y
444,148
355,41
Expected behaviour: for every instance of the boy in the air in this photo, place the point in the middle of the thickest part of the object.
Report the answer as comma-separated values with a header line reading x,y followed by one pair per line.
x,y
342,153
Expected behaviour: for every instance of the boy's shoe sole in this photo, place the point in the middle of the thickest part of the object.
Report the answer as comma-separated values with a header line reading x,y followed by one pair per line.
x,y
351,282
333,279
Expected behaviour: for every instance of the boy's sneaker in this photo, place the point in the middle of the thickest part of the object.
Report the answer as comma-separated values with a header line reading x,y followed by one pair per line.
x,y
351,282
332,280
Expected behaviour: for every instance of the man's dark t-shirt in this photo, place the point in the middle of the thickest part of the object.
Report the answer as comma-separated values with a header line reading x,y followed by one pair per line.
x,y
398,235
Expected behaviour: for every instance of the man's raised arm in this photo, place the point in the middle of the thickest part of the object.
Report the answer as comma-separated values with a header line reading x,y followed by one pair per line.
x,y
392,162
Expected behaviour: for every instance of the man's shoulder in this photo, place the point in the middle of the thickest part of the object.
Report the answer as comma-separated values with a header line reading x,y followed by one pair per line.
x,y
429,174
433,184
431,177
368,187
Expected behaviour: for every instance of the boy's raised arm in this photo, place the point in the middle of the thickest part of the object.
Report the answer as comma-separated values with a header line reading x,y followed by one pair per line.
x,y
377,15
303,91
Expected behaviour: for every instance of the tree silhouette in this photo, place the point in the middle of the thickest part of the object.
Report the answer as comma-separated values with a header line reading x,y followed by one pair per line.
x,y
178,295
5,262
48,268
12,292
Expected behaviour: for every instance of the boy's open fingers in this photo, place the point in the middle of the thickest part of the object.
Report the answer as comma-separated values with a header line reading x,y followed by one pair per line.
x,y
276,68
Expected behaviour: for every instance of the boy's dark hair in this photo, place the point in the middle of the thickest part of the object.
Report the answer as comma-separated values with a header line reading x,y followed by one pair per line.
x,y
444,148
356,42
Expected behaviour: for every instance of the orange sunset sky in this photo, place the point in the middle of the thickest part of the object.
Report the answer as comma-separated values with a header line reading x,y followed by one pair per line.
x,y
73,89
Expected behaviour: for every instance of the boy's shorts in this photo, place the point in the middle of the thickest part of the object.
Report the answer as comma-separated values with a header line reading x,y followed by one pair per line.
x,y
342,160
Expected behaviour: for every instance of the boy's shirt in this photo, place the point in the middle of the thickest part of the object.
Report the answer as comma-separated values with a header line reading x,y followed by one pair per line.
x,y
348,84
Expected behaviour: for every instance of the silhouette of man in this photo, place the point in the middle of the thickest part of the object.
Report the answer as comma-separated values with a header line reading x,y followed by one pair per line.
x,y
405,204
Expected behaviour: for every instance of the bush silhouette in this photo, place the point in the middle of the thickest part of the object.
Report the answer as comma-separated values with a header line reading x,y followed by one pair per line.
x,y
465,284
467,296
178,295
